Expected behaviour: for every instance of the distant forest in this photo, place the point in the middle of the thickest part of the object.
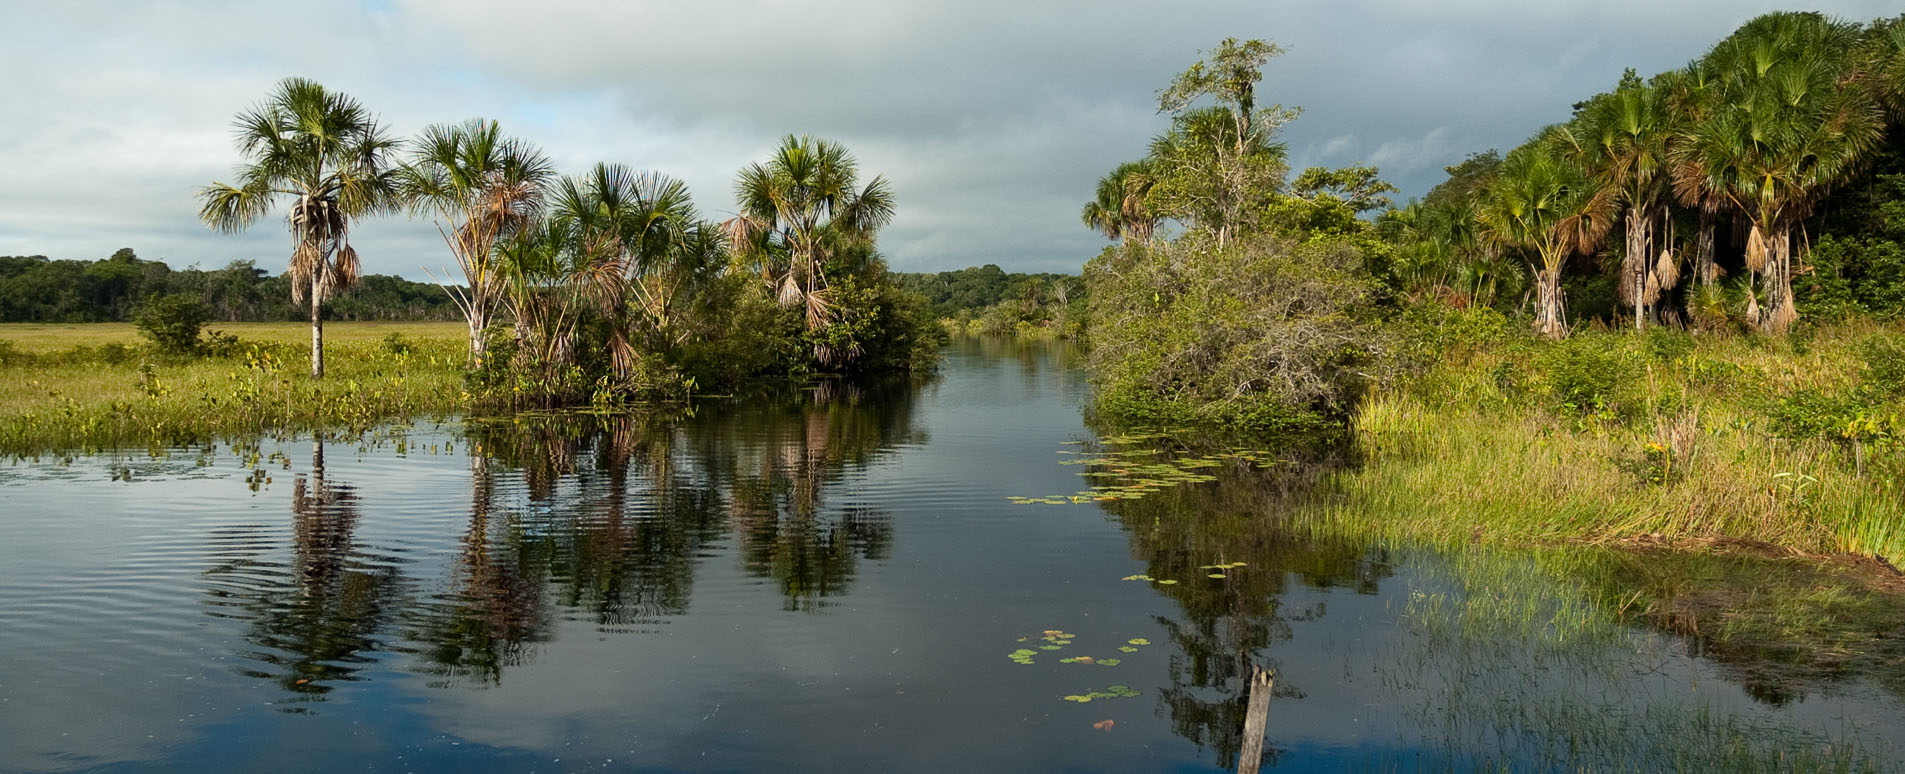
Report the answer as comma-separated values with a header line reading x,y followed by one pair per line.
x,y
34,288
971,290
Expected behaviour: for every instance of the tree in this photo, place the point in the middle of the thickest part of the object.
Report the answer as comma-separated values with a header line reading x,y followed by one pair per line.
x,y
327,156
1119,210
488,186
1542,201
1621,140
1218,163
800,212
1789,123
623,227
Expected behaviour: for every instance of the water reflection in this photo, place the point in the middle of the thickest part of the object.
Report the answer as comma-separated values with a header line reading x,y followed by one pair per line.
x,y
1226,624
316,622
607,519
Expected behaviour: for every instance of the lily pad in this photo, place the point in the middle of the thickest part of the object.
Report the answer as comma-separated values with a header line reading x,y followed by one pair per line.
x,y
1127,649
1109,662
1138,641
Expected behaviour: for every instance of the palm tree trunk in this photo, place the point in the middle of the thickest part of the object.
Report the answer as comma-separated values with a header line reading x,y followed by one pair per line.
x,y
317,335
478,321
1780,311
1549,312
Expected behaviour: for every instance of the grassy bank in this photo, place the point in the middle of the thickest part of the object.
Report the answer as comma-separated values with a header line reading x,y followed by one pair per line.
x,y
1663,437
79,387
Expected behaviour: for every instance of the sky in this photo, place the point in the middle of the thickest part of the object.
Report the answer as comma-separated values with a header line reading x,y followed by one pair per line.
x,y
992,120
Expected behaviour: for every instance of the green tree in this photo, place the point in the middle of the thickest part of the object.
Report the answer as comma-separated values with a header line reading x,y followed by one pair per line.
x,y
1621,139
327,156
1542,202
488,186
1789,123
1119,210
801,212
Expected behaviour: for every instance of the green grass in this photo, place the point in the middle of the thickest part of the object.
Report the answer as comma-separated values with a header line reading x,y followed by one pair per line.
x,y
69,388
1615,437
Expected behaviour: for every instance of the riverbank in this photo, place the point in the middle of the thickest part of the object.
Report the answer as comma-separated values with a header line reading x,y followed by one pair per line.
x,y
1663,437
81,387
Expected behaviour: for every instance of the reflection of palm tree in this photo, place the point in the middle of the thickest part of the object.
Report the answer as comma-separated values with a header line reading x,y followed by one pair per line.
x,y
314,626
494,608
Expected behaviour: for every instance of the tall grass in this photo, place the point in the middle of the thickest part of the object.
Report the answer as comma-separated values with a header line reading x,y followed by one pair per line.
x,y
1616,437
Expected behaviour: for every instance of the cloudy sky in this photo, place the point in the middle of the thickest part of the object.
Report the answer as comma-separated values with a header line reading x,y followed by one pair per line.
x,y
992,119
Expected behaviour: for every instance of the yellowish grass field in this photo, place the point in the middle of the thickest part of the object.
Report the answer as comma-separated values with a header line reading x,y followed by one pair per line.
x,y
75,387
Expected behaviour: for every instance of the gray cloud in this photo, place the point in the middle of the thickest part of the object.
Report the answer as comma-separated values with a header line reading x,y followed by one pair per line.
x,y
992,119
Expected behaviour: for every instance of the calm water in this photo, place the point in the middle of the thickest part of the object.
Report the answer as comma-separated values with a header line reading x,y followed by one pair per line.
x,y
830,582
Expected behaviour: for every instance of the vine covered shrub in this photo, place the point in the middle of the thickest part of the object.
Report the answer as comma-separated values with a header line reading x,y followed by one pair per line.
x,y
1267,334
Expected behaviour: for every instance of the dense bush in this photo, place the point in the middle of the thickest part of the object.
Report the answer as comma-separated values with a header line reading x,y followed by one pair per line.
x,y
172,322
1266,335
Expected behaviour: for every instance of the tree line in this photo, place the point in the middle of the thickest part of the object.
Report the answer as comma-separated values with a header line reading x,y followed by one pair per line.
x,y
1736,191
36,289
1764,180
988,300
603,283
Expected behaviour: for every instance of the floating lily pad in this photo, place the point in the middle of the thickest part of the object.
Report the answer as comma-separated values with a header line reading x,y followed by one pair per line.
x,y
1109,662
1138,641
1216,575
1049,647
1167,583
1127,649
1077,698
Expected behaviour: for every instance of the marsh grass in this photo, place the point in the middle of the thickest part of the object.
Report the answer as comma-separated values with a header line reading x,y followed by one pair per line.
x,y
1613,437
76,388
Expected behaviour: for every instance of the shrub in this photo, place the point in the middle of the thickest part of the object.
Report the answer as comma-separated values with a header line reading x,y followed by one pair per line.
x,y
1884,358
1587,373
172,322
1267,335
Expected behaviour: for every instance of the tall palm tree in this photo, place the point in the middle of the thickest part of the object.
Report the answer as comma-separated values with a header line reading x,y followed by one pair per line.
x,y
1541,201
1789,124
798,213
487,186
1621,140
1119,210
326,155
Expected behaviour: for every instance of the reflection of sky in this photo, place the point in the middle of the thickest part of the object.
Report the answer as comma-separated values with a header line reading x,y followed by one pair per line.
x,y
112,657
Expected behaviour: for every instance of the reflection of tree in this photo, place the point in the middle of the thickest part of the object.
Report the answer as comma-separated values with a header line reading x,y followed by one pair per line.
x,y
314,620
782,470
1231,623
608,517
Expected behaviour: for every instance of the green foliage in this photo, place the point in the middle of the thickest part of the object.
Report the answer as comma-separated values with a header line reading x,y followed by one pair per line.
x,y
36,289
1884,358
1265,335
172,323
1589,374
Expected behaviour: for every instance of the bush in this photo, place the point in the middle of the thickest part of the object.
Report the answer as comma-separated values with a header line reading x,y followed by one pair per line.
x,y
1268,335
1588,373
172,322
1884,358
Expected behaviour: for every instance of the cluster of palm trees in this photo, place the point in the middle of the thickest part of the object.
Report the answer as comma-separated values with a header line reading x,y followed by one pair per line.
x,y
616,248
1755,133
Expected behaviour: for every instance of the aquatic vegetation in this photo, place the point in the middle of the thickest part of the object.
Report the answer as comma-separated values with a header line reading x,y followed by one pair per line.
x,y
1144,468
1110,692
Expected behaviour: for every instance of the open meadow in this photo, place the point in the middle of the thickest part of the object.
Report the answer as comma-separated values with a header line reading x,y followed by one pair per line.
x,y
75,387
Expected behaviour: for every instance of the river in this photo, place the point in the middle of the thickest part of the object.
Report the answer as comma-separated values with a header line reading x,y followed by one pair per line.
x,y
907,578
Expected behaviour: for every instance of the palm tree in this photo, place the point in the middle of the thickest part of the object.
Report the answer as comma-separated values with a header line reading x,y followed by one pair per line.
x,y
324,153
1621,139
1789,123
624,228
488,186
1119,210
798,213
1543,202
